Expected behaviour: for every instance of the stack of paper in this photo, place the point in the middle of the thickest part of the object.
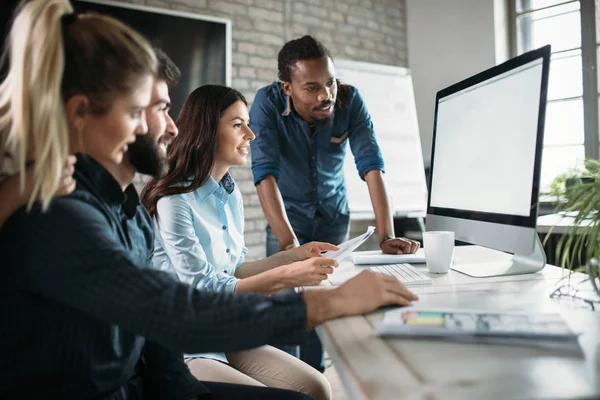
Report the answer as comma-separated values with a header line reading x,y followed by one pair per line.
x,y
378,257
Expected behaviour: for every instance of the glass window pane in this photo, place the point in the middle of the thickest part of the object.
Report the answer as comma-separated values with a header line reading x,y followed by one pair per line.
x,y
598,63
526,5
565,76
564,123
558,26
557,160
598,21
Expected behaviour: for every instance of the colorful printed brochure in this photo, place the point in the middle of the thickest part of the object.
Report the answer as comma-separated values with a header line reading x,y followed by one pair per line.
x,y
417,322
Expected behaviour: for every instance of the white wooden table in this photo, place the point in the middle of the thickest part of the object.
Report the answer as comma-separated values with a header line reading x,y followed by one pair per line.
x,y
371,367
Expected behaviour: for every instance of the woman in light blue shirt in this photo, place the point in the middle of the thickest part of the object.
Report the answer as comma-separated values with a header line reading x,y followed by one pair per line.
x,y
199,224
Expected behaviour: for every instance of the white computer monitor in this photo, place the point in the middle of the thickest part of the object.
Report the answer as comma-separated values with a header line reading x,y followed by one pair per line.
x,y
486,159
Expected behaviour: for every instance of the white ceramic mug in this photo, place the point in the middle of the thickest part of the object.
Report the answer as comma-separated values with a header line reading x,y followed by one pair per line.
x,y
439,250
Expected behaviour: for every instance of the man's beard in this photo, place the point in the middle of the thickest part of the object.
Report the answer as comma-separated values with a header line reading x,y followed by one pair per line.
x,y
146,157
319,122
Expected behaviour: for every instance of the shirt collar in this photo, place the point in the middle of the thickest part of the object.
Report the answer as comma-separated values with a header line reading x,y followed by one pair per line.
x,y
132,201
106,185
227,183
289,110
225,187
288,106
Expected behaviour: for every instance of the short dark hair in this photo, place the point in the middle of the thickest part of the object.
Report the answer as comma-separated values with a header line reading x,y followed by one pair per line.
x,y
307,48
167,70
304,48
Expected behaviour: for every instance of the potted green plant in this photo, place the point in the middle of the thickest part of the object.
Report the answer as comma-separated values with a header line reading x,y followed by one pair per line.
x,y
578,198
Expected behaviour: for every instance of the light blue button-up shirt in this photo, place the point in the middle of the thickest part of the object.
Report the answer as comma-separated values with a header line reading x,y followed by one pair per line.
x,y
200,237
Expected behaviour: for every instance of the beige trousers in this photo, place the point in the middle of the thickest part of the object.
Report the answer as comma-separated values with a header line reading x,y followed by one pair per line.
x,y
263,366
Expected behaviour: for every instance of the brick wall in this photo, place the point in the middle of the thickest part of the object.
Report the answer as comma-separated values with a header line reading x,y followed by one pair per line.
x,y
363,30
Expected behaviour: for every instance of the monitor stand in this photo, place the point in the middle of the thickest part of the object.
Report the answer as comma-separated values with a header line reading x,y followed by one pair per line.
x,y
481,262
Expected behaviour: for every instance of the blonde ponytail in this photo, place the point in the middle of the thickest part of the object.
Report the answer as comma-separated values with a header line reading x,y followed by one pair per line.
x,y
31,107
52,59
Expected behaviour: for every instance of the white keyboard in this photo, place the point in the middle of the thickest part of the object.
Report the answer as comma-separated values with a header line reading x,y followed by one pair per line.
x,y
405,273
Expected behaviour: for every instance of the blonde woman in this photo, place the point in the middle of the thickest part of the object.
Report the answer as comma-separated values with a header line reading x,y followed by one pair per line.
x,y
66,70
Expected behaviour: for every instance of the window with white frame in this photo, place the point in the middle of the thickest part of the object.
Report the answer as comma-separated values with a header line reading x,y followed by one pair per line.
x,y
572,115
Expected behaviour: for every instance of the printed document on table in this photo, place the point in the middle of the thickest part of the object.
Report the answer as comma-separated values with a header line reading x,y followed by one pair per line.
x,y
349,246
531,329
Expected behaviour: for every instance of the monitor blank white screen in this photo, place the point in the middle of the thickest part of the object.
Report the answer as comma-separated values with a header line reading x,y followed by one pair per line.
x,y
485,144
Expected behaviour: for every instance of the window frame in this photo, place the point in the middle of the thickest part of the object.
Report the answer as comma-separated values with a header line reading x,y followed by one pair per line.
x,y
589,60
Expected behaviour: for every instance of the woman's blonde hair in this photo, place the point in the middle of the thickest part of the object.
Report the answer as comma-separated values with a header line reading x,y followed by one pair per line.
x,y
55,54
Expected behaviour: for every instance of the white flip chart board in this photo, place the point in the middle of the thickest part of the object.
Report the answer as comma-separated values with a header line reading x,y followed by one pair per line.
x,y
389,97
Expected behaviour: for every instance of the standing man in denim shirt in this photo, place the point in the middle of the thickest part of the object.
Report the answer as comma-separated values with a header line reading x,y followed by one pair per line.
x,y
302,125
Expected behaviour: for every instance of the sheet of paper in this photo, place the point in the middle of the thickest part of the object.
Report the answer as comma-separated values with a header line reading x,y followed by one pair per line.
x,y
349,246
378,257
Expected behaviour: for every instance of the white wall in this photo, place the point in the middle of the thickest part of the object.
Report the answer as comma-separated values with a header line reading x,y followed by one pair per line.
x,y
448,40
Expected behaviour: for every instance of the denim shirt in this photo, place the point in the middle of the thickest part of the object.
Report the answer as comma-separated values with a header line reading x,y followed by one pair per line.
x,y
200,238
309,167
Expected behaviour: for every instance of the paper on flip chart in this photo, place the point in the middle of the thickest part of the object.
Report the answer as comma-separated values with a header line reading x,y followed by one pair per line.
x,y
349,246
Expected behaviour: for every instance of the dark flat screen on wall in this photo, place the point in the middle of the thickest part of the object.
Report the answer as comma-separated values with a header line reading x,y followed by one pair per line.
x,y
197,46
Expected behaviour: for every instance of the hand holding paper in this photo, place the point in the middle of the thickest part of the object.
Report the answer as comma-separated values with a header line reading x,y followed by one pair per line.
x,y
349,246
311,249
